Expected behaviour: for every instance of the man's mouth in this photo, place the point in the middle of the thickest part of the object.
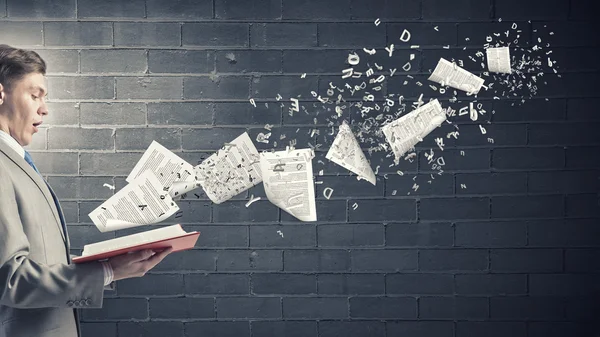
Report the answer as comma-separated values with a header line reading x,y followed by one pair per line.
x,y
35,125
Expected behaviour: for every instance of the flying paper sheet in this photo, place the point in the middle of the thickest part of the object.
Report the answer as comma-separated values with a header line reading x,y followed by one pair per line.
x,y
498,60
231,170
346,152
175,174
448,73
408,130
141,202
288,182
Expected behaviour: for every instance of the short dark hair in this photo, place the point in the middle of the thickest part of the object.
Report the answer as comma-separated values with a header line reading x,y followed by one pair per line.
x,y
17,63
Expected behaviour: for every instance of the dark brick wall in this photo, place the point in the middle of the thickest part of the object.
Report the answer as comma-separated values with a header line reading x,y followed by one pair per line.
x,y
514,254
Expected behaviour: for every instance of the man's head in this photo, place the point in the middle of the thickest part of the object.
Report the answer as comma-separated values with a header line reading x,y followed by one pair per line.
x,y
22,93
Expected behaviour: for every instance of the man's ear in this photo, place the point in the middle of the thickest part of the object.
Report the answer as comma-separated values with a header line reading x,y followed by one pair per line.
x,y
1,93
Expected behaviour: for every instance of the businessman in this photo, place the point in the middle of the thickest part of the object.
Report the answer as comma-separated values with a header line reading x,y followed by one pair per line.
x,y
40,289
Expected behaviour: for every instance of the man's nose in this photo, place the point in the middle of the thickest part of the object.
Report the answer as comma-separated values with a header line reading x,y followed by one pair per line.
x,y
43,110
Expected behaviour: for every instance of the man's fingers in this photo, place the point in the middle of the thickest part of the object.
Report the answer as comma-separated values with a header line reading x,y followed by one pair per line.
x,y
141,255
156,258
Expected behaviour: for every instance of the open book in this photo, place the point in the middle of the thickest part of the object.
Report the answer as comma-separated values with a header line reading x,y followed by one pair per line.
x,y
171,236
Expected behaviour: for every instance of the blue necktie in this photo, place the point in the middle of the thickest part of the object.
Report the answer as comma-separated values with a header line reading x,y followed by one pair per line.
x,y
30,162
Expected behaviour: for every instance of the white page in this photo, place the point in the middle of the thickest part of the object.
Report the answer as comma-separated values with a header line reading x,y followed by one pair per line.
x,y
448,73
175,174
141,202
288,182
498,60
408,130
346,152
231,170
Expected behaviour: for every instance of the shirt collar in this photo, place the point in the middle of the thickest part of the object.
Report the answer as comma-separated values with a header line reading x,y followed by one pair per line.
x,y
12,143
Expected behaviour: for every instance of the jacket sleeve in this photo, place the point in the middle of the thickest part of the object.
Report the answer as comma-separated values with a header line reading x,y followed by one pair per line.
x,y
25,283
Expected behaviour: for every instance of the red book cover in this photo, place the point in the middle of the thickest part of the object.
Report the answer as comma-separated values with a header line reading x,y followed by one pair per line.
x,y
179,243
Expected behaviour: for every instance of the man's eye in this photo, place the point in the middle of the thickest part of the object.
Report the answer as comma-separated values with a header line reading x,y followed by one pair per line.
x,y
34,97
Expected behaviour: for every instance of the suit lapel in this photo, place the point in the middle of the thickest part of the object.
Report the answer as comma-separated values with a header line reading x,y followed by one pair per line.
x,y
39,181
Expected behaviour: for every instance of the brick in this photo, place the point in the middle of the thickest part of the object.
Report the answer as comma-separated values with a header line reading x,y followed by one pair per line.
x,y
327,210
491,183
56,163
2,8
284,328
350,235
558,329
351,35
30,33
245,113
477,32
568,285
383,307
582,260
526,260
559,233
315,307
110,9
384,9
418,329
232,211
99,329
60,61
250,260
344,186
491,329
252,307
147,34
180,113
421,234
528,158
464,10
111,61
193,212
419,284
279,284
81,139
533,110
215,34
84,88
151,329
185,9
453,308
440,185
283,35
254,9
314,9
564,182
209,138
351,328
119,309
453,208
583,309
152,285
390,210
217,284
581,109
62,114
316,260
41,9
293,236
351,284
453,259
222,87
473,159
83,235
583,205
286,86
536,9
527,308
149,88
78,34
564,134
222,236
544,206
491,234
579,59
180,61
248,61
219,328
281,137
196,260
502,134
70,211
313,61
113,113
580,157
140,139
388,260
491,284
421,31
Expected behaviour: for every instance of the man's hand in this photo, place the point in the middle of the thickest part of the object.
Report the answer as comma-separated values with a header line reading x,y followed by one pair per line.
x,y
136,264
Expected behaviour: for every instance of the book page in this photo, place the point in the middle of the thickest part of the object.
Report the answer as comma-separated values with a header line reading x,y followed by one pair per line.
x,y
408,130
141,202
231,170
346,152
498,60
133,240
448,73
175,174
288,182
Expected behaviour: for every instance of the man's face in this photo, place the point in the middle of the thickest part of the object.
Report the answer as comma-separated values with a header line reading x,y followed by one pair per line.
x,y
23,106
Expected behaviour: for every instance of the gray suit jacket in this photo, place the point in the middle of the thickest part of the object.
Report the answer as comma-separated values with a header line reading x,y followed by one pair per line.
x,y
39,288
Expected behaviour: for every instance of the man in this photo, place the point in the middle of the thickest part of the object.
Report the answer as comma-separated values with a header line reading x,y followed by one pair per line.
x,y
39,286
